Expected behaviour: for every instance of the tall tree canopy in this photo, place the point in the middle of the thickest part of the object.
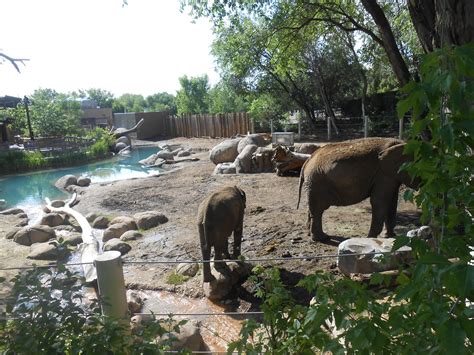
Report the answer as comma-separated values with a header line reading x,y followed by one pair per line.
x,y
192,97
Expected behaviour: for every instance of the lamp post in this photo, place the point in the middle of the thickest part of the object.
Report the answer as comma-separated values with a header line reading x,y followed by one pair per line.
x,y
26,102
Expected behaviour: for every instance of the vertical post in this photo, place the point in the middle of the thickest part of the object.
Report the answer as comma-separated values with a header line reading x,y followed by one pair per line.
x,y
329,127
299,126
111,284
400,128
366,123
252,125
271,126
30,130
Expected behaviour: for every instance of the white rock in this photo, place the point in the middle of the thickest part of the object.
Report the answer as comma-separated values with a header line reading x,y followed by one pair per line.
x,y
226,277
224,168
366,264
225,151
187,269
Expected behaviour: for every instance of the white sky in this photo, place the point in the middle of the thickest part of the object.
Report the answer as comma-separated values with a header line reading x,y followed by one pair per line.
x,y
142,48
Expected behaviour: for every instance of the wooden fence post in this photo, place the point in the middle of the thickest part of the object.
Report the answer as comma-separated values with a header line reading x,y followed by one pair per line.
x,y
111,284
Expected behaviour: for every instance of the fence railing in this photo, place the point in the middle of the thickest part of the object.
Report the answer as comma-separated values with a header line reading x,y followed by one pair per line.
x,y
50,145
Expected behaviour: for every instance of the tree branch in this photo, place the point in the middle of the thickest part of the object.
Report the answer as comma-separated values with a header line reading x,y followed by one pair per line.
x,y
14,61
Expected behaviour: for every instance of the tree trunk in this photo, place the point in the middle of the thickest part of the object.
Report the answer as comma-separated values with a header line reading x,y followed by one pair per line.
x,y
388,41
442,22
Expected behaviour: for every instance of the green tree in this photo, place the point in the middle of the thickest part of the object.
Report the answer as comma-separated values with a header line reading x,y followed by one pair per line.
x,y
130,103
223,98
162,101
53,113
192,97
104,98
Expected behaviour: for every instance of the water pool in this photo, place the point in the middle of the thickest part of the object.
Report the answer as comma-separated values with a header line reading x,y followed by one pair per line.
x,y
27,191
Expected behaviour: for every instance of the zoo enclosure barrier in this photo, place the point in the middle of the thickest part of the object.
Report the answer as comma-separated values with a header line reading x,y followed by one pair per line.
x,y
57,145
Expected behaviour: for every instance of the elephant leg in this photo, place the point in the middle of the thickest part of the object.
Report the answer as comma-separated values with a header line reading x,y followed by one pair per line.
x,y
206,255
379,213
308,223
391,218
220,251
316,215
238,236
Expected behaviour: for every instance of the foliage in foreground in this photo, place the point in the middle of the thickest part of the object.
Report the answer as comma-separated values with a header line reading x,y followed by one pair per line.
x,y
50,316
430,310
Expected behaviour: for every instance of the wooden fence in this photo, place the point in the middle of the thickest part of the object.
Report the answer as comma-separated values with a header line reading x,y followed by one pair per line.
x,y
215,126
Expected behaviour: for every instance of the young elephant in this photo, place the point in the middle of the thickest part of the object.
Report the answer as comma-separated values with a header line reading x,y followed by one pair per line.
x,y
219,215
345,173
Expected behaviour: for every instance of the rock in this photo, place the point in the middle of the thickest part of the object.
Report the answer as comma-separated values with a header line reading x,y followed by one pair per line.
x,y
119,146
226,277
117,244
187,269
164,154
11,233
149,219
54,203
225,151
22,222
72,221
243,162
64,182
47,251
91,216
83,181
184,153
149,161
135,302
13,211
34,234
67,228
53,219
100,222
255,139
366,264
69,238
123,139
115,231
224,168
129,221
189,338
307,148
424,232
130,235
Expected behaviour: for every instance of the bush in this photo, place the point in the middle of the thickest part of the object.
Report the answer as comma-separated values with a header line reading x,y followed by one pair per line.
x,y
49,317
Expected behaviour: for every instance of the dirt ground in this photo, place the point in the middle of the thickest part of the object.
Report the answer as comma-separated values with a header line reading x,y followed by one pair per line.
x,y
273,227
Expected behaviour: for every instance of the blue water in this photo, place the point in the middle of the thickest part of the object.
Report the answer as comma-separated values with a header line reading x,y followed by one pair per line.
x,y
28,191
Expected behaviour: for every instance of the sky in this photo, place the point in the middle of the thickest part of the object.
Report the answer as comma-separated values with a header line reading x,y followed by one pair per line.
x,y
141,48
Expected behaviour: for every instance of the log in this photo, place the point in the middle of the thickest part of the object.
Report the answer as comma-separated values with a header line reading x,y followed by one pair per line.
x,y
131,130
286,160
90,247
170,162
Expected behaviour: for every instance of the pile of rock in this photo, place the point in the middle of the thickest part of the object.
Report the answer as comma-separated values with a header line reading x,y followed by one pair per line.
x,y
164,154
242,155
49,240
70,183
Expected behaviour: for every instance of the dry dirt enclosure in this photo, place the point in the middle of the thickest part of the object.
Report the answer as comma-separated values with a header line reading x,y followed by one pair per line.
x,y
273,227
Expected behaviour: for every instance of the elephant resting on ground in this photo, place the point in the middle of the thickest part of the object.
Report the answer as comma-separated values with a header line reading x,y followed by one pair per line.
x,y
345,173
219,215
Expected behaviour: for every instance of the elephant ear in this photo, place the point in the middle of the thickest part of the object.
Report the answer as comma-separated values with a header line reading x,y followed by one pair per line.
x,y
391,159
242,194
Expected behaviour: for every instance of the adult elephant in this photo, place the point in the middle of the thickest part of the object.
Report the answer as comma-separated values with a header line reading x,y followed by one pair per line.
x,y
345,173
220,214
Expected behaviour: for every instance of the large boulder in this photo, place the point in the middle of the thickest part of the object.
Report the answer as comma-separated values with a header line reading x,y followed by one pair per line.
x,y
53,219
54,203
123,139
183,153
13,211
226,277
149,219
117,244
225,151
91,216
11,233
189,338
83,181
129,221
64,182
307,148
47,251
115,231
69,238
130,235
119,146
100,222
187,269
255,139
243,162
166,155
351,262
34,234
149,161
135,301
224,168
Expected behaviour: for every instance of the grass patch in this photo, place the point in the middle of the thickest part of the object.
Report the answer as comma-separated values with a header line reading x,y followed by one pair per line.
x,y
176,279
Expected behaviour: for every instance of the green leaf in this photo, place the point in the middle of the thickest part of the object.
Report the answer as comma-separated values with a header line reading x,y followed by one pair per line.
x,y
452,337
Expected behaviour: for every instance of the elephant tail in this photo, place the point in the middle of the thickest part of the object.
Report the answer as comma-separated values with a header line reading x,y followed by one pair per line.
x,y
300,185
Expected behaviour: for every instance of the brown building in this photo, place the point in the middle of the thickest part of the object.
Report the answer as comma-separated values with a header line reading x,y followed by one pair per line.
x,y
153,124
96,117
